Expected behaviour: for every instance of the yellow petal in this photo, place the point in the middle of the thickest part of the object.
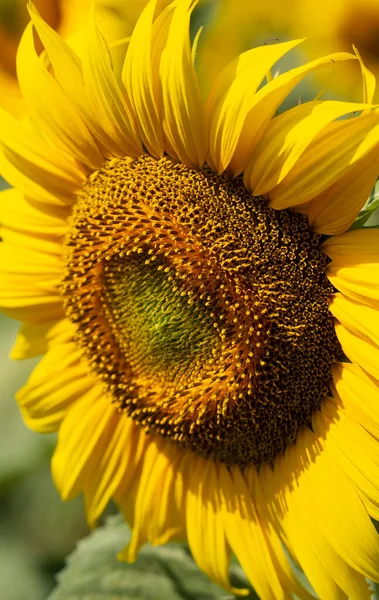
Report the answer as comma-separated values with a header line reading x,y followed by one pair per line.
x,y
15,176
330,155
21,242
184,120
291,510
334,211
138,78
26,216
271,531
358,279
86,430
66,64
23,253
360,395
166,523
342,518
29,280
109,107
355,451
314,522
368,80
31,340
34,339
233,97
287,137
205,529
113,468
51,110
265,103
245,535
158,462
50,170
56,383
68,72
359,350
359,319
361,245
126,494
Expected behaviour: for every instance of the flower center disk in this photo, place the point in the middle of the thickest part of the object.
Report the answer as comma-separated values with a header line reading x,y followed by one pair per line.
x,y
203,311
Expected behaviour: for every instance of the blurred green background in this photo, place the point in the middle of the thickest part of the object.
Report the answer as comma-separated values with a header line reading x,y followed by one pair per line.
x,y
37,529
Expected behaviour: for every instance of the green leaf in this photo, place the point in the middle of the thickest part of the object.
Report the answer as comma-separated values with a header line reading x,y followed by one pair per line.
x,y
368,210
160,573
365,215
3,183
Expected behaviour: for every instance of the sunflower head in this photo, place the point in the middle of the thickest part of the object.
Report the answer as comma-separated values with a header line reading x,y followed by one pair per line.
x,y
185,268
203,310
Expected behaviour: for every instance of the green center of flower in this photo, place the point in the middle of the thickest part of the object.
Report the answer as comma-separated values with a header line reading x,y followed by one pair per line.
x,y
164,333
203,311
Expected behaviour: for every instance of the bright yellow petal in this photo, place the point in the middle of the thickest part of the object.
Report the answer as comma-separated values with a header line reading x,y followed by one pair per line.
x,y
86,430
354,269
10,98
354,538
68,73
29,278
331,155
265,102
355,451
359,319
358,279
138,78
66,64
50,170
287,137
233,97
29,282
204,522
55,384
108,104
34,339
368,80
245,535
114,467
345,522
334,211
183,112
51,110
360,395
15,176
315,522
359,350
166,523
126,494
21,243
158,463
282,566
361,245
21,253
281,493
28,217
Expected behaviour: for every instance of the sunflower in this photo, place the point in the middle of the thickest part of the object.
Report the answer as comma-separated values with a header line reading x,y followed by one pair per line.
x,y
208,324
